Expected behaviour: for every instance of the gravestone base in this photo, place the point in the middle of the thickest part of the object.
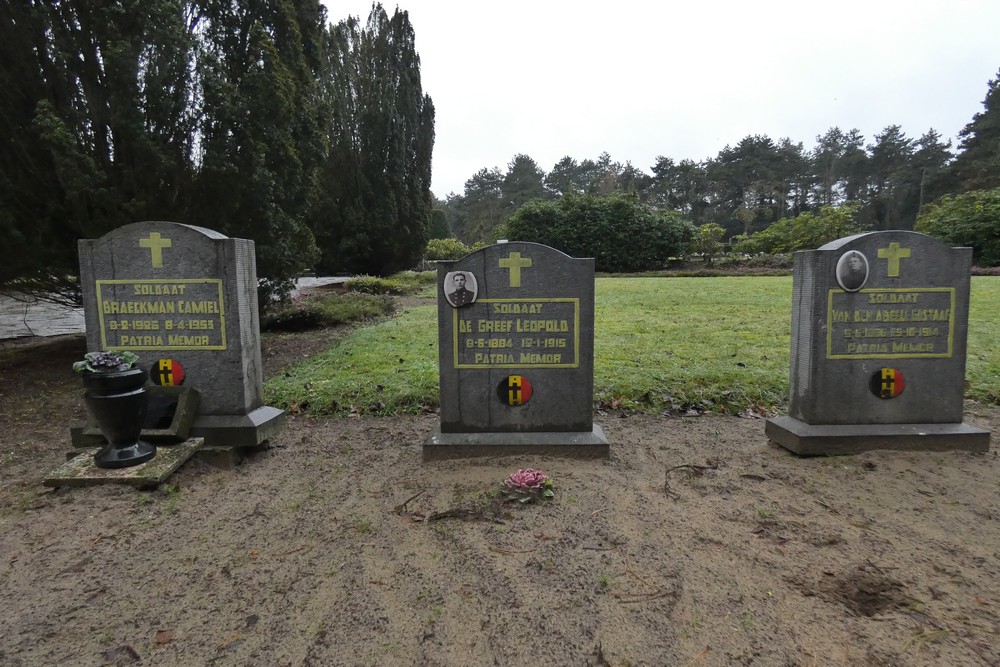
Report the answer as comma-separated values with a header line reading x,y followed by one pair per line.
x,y
249,430
80,470
572,444
840,440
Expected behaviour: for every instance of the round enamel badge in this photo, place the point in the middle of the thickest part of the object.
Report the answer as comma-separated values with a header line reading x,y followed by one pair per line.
x,y
887,383
514,390
167,372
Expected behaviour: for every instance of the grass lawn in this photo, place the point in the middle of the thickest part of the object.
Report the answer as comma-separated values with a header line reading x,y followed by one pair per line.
x,y
660,343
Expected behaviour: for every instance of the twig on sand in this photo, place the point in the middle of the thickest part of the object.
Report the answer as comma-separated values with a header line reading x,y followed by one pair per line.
x,y
256,512
640,597
511,551
696,469
456,513
663,592
401,507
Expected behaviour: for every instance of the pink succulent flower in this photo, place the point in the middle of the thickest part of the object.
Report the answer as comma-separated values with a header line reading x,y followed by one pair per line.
x,y
526,479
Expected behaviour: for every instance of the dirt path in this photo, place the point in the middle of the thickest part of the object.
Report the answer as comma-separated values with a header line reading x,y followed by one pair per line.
x,y
697,543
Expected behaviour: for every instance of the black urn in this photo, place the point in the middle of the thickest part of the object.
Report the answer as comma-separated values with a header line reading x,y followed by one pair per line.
x,y
117,402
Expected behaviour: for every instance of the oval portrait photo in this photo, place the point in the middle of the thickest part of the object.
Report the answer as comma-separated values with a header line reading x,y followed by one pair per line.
x,y
852,271
460,288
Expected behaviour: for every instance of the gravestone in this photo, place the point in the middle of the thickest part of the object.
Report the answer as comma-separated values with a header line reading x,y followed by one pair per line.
x,y
516,353
184,299
879,324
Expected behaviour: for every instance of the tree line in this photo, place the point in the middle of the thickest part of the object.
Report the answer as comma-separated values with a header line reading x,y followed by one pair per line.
x,y
256,118
748,187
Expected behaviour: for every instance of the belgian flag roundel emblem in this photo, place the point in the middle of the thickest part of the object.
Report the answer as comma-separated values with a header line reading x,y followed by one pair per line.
x,y
887,383
514,390
167,372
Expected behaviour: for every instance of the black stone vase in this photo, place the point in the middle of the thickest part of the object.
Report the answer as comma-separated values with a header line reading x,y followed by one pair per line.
x,y
117,402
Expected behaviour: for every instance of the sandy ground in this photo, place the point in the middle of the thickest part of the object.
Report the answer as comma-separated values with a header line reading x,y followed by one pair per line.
x,y
697,543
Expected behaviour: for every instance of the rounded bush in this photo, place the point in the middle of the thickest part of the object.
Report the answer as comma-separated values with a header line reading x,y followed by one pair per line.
x,y
617,231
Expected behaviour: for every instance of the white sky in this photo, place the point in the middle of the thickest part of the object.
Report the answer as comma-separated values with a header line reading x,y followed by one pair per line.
x,y
684,78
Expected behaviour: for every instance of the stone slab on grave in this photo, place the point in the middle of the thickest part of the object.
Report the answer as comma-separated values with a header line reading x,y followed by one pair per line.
x,y
81,470
516,355
184,299
879,331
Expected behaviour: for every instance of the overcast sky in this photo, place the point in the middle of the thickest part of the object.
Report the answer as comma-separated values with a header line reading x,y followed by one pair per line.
x,y
684,78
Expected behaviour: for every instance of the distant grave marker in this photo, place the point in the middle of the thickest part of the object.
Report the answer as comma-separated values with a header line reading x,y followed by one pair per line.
x,y
516,352
184,299
879,327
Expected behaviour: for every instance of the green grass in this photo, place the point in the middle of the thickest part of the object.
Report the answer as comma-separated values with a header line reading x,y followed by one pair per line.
x,y
982,366
660,343
386,368
692,342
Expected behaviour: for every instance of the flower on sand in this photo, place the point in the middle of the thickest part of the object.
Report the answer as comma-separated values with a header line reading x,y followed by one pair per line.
x,y
527,484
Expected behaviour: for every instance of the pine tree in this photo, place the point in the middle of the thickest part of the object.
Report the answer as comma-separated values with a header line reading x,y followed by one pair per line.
x,y
977,166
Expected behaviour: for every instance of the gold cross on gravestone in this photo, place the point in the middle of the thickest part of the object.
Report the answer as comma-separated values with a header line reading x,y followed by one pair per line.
x,y
893,253
156,246
515,263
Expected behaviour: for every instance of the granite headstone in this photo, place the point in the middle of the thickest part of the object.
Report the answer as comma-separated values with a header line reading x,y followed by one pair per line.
x,y
184,299
879,328
516,352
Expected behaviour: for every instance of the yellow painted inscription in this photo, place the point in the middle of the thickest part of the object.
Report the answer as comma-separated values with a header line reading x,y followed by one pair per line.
x,y
532,358
891,323
518,333
892,297
518,308
178,313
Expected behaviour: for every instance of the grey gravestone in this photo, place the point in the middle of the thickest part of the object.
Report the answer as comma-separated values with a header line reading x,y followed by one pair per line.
x,y
184,299
516,350
879,325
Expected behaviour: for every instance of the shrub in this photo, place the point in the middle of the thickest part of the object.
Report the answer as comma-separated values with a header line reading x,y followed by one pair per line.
x,y
438,249
807,231
414,281
313,312
617,231
708,241
763,261
971,219
375,285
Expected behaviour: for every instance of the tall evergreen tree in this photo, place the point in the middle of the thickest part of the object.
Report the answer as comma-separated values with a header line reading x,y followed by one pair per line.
x,y
835,159
930,163
96,110
564,177
682,187
748,184
260,132
482,205
891,186
977,166
523,182
374,215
